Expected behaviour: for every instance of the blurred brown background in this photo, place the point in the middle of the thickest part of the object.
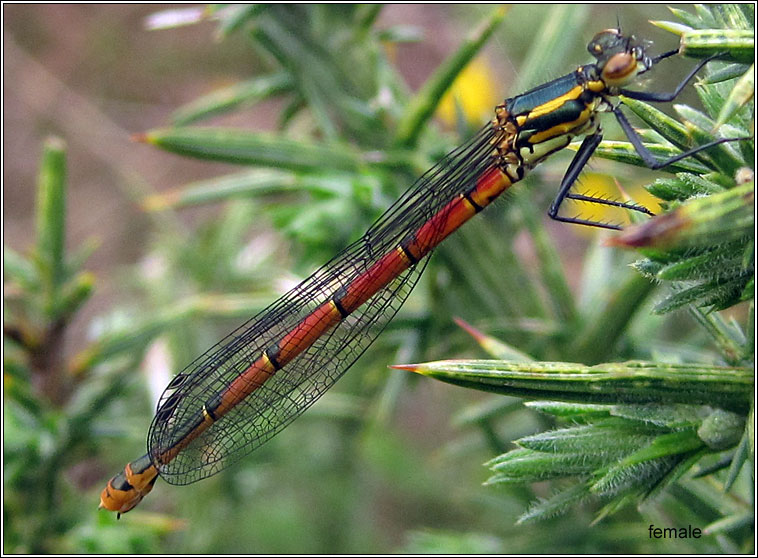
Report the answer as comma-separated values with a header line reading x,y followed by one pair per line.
x,y
94,75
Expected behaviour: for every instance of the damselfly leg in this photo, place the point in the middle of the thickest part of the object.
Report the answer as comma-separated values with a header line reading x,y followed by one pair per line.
x,y
591,143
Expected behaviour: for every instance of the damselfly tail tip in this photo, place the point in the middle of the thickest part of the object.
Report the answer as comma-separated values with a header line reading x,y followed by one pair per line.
x,y
125,490
102,506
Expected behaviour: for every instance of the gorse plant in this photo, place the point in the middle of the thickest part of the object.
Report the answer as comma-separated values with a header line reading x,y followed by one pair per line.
x,y
660,421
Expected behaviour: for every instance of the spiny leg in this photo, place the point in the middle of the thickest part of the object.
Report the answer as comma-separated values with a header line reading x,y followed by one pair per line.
x,y
654,97
583,155
648,157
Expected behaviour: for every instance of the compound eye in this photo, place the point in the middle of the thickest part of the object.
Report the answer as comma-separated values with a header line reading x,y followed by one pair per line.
x,y
604,41
619,69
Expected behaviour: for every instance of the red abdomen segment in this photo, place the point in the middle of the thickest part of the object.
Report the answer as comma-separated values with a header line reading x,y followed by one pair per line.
x,y
363,287
126,489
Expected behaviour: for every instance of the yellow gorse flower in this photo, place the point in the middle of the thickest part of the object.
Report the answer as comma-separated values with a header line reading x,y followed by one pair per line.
x,y
473,93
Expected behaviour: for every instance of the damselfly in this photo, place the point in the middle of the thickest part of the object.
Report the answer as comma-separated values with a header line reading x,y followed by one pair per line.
x,y
252,384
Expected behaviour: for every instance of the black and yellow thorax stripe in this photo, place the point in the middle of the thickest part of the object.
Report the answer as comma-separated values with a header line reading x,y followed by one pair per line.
x,y
545,119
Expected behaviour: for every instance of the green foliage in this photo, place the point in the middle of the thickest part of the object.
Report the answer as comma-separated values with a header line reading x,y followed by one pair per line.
x,y
629,382
51,405
705,246
646,425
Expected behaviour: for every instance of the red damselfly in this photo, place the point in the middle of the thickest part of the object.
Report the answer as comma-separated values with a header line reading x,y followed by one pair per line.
x,y
252,384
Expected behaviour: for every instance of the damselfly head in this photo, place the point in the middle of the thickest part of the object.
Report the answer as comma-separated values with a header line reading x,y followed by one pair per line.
x,y
620,58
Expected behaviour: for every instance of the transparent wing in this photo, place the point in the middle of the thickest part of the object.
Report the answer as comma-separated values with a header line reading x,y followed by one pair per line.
x,y
301,381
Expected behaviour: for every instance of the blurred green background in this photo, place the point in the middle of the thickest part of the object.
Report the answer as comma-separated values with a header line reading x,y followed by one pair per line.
x,y
384,462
